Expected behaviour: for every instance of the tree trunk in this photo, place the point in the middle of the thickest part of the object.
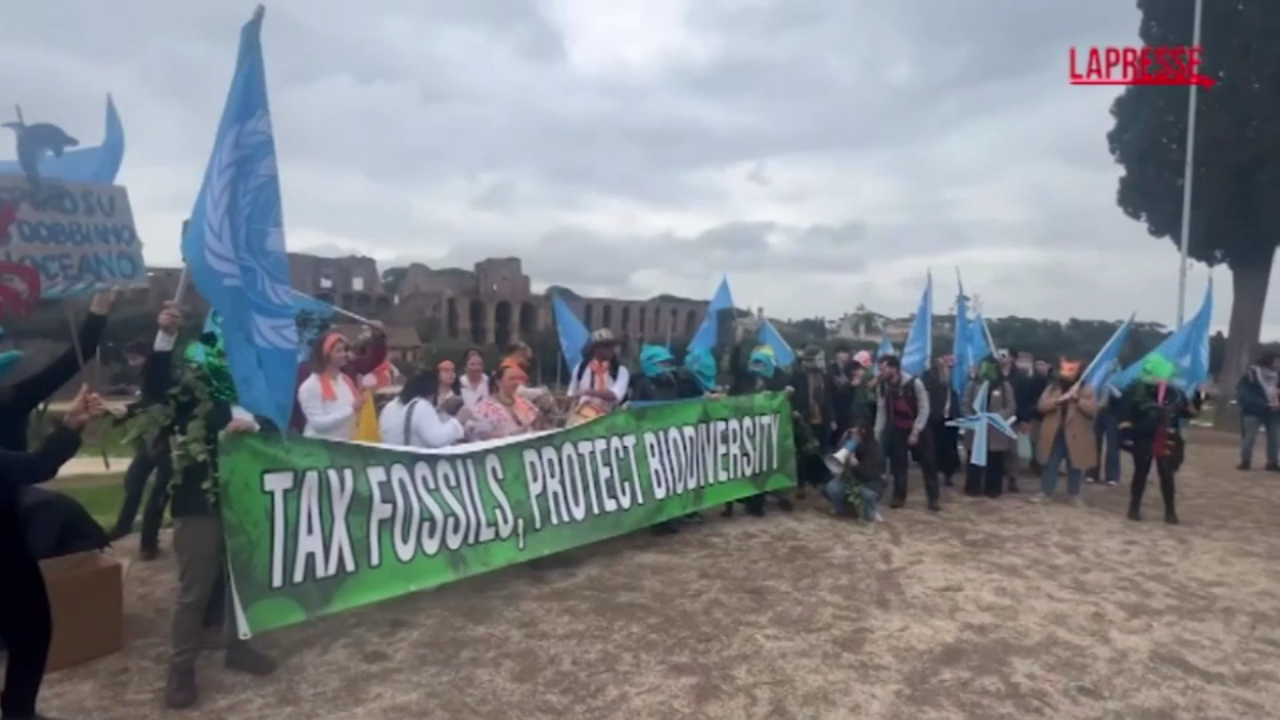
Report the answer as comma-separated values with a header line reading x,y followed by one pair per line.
x,y
1249,282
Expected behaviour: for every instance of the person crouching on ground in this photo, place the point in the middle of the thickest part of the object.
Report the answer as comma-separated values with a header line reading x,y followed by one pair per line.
x,y
203,586
1153,412
329,399
902,427
862,478
1068,408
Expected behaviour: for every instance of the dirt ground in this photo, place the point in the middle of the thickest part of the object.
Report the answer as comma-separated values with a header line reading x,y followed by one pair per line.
x,y
990,610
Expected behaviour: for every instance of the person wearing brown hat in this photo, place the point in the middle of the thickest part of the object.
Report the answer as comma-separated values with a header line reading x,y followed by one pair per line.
x,y
600,382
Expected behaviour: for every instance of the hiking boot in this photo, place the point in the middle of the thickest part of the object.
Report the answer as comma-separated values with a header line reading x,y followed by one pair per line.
x,y
1013,485
243,657
147,554
180,690
935,506
1171,517
896,504
1135,514
1243,466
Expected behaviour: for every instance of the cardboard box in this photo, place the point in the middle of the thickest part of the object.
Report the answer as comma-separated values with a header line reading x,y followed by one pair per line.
x,y
86,596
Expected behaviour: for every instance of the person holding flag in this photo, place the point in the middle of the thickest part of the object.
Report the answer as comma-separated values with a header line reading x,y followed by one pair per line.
x,y
1068,407
1153,411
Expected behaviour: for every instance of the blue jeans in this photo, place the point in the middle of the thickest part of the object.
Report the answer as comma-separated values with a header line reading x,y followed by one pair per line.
x,y
1250,426
835,492
1106,430
1057,456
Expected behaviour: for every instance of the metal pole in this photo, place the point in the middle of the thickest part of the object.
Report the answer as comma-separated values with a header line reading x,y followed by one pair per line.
x,y
1188,172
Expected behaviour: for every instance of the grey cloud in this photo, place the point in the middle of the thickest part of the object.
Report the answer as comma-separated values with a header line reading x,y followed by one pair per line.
x,y
471,108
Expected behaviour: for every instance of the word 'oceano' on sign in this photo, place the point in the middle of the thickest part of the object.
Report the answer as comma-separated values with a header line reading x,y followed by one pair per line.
x,y
105,267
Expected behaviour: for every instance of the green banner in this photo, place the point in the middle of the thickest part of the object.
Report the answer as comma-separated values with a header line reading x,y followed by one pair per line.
x,y
316,527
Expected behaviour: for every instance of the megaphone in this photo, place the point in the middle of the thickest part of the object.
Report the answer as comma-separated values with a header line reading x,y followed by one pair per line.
x,y
836,460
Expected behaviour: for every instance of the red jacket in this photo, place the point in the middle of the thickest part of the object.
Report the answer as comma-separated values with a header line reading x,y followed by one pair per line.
x,y
373,355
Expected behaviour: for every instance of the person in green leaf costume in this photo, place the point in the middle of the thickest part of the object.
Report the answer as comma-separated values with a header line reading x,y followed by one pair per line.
x,y
1152,413
191,401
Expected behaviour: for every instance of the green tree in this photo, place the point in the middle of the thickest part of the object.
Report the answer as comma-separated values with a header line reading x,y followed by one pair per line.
x,y
1235,219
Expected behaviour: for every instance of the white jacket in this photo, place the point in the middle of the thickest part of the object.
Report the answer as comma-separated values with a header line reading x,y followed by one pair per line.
x,y
426,428
328,419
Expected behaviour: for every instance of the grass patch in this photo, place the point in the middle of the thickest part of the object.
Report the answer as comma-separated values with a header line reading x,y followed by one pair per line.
x,y
101,495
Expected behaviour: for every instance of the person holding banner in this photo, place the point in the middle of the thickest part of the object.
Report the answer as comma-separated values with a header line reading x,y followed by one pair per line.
x,y
410,420
26,624
329,398
600,382
204,395
371,352
505,413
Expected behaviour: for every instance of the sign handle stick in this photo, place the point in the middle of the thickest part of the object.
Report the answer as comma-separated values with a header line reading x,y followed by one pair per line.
x,y
75,344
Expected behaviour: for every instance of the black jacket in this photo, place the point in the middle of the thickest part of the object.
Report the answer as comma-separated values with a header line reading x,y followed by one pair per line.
x,y
190,496
20,398
940,392
803,404
676,387
20,469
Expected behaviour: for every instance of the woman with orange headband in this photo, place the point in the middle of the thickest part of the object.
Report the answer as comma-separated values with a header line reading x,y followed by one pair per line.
x,y
329,398
504,413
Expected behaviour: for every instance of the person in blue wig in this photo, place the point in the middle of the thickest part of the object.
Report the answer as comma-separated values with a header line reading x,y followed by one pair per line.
x,y
760,373
660,380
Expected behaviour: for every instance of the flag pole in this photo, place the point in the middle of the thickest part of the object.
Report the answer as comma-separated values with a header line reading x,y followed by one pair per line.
x,y
1188,172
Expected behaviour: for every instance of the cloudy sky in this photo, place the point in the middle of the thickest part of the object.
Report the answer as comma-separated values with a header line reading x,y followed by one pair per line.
x,y
824,153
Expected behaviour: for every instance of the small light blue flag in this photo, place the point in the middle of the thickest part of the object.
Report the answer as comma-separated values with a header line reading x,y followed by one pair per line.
x,y
1107,361
960,350
782,352
1187,348
980,423
918,348
234,244
705,338
572,333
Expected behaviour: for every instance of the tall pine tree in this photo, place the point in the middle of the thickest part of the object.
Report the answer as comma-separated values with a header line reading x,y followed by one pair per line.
x,y
1235,209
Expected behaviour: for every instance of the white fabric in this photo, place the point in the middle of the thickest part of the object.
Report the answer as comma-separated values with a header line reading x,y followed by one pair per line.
x,y
328,419
579,385
474,394
427,429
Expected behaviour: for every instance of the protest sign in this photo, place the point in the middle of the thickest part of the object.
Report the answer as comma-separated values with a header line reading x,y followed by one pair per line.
x,y
316,527
81,238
